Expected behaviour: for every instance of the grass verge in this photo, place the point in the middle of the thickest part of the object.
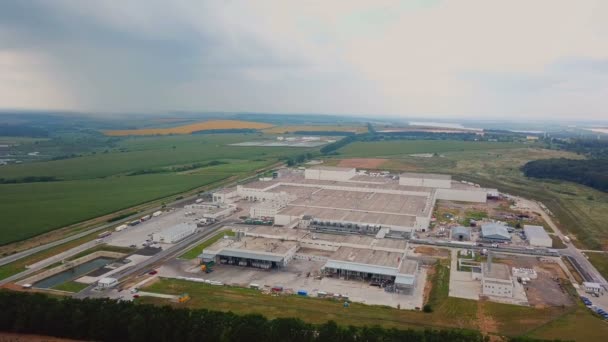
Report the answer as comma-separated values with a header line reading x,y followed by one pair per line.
x,y
198,249
71,286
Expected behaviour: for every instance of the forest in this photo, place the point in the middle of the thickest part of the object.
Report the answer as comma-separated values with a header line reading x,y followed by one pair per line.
x,y
109,320
589,172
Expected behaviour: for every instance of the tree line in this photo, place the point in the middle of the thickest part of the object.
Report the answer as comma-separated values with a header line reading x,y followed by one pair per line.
x,y
109,320
589,172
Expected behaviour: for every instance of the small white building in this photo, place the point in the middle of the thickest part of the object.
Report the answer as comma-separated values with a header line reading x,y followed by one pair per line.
x,y
537,236
175,233
226,196
496,280
592,287
106,283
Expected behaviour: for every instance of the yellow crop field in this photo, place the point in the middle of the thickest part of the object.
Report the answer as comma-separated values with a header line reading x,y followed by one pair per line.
x,y
189,129
328,128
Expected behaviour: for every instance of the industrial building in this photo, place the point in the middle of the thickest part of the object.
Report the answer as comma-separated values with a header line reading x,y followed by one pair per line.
x,y
250,251
496,280
355,257
495,232
342,199
461,233
537,236
175,233
214,211
372,265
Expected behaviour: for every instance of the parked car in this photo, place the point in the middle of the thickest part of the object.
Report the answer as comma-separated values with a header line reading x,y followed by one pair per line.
x,y
153,272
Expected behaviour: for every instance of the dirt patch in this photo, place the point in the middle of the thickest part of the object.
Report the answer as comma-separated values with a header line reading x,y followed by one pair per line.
x,y
486,323
362,163
431,251
428,285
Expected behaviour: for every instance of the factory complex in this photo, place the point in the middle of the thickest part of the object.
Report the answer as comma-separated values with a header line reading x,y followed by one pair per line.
x,y
356,224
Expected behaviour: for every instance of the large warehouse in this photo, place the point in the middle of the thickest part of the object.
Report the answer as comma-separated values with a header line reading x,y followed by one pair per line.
x,y
495,232
342,199
175,233
372,265
250,251
537,236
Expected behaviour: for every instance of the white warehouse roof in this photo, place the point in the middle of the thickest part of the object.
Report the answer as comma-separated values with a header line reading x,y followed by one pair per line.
x,y
537,236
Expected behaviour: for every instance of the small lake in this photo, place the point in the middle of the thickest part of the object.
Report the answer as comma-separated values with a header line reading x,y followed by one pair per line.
x,y
73,273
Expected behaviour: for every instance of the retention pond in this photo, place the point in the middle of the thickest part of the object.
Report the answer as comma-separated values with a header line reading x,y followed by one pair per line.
x,y
73,273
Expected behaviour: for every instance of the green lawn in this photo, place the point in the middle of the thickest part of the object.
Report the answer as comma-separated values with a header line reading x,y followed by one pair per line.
x,y
197,250
406,147
71,286
33,208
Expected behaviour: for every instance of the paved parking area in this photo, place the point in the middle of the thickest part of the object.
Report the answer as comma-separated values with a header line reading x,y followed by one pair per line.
x,y
300,275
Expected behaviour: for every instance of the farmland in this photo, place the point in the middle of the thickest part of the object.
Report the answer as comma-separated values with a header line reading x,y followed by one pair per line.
x,y
314,128
136,170
34,208
191,128
406,147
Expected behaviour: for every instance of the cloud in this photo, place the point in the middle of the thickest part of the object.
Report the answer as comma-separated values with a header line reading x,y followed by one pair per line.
x,y
519,58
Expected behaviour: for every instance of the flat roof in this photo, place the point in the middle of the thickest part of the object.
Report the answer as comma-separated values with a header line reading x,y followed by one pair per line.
x,y
497,271
278,232
345,215
535,232
331,168
425,175
366,201
353,239
252,245
368,257
408,266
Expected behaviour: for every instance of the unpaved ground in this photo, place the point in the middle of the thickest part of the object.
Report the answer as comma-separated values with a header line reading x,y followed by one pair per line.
x,y
431,251
428,286
362,163
486,323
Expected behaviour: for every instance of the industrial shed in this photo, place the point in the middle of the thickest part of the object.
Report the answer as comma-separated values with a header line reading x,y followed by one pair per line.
x,y
461,233
174,233
372,265
537,236
495,232
258,252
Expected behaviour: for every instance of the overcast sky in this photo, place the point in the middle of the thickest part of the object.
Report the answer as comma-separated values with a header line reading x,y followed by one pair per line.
x,y
530,59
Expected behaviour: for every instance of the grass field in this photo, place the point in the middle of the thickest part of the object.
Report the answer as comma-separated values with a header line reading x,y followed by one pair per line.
x,y
71,286
97,184
491,318
188,129
142,153
406,147
197,250
34,208
314,128
600,261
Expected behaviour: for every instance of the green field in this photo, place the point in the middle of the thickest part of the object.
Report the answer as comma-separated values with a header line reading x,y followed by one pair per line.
x,y
98,183
34,208
135,154
407,147
198,249
71,286
600,261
